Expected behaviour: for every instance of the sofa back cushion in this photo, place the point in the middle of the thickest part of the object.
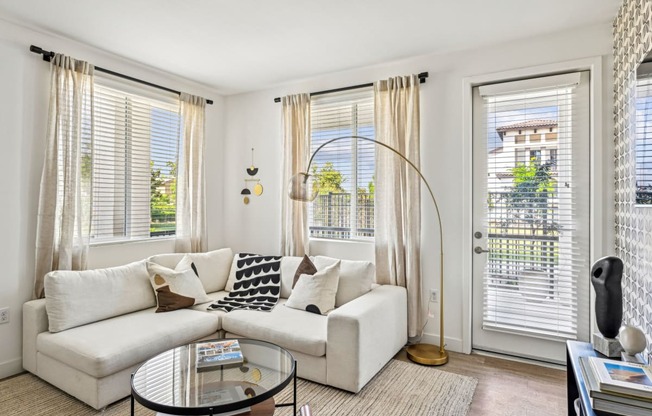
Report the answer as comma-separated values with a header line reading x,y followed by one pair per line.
x,y
289,266
213,267
356,277
75,298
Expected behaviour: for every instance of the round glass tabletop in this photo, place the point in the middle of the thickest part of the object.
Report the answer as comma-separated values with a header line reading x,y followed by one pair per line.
x,y
187,381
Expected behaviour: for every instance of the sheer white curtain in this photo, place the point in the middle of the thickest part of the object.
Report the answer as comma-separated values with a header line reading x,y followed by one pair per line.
x,y
296,151
65,203
398,198
191,204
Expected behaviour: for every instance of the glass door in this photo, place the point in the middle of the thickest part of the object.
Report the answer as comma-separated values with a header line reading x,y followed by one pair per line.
x,y
531,216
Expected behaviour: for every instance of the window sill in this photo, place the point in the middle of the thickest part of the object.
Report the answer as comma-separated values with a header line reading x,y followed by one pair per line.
x,y
343,241
132,241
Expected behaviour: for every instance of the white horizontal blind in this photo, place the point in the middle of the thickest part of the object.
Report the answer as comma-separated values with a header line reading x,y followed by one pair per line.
x,y
537,208
644,134
344,209
137,133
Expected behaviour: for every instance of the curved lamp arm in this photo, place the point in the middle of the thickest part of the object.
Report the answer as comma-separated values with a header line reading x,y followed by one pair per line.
x,y
301,195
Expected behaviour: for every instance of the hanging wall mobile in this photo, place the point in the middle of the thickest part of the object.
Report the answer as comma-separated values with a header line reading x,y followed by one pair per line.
x,y
258,187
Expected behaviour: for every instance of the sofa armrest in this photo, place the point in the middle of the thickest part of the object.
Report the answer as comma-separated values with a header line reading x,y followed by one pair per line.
x,y
363,335
35,321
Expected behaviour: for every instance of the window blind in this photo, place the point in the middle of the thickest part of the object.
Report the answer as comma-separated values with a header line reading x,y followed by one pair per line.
x,y
536,210
134,161
644,134
344,208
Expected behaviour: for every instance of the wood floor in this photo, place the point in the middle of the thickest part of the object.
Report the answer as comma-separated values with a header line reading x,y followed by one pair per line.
x,y
509,388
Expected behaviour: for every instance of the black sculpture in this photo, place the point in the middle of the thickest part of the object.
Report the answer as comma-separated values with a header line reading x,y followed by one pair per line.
x,y
606,274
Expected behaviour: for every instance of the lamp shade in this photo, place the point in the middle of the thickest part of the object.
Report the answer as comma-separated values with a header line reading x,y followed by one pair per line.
x,y
300,189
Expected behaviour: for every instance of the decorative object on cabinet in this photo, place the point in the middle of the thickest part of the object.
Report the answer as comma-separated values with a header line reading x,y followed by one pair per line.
x,y
632,339
606,275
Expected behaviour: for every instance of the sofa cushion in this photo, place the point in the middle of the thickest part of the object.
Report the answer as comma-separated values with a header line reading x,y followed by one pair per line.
x,y
108,346
286,327
183,287
316,293
356,278
213,267
214,296
74,298
289,265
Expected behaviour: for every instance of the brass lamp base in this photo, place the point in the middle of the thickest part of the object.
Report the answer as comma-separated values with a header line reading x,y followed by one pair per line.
x,y
427,354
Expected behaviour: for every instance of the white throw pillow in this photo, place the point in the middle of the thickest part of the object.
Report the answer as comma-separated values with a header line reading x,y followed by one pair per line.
x,y
74,298
213,267
182,283
316,293
356,277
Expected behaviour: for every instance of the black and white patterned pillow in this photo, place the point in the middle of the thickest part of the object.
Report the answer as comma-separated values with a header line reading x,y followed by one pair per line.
x,y
256,283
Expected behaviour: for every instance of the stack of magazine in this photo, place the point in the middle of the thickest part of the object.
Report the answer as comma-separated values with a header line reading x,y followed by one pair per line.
x,y
217,353
618,387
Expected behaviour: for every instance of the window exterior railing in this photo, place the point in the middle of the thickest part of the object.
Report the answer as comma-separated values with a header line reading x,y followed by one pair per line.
x,y
332,216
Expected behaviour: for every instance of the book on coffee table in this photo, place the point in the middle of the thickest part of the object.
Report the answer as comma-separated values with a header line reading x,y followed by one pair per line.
x,y
215,353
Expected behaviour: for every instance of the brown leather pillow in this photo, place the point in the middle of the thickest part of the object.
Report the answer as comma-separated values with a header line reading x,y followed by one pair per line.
x,y
305,267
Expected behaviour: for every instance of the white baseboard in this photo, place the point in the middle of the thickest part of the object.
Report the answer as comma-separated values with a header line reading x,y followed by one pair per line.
x,y
452,344
521,360
11,367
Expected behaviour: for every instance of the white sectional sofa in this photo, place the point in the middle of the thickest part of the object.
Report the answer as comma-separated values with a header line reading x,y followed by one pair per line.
x,y
96,327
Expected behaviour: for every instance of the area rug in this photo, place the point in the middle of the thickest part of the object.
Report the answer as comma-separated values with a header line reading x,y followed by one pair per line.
x,y
400,388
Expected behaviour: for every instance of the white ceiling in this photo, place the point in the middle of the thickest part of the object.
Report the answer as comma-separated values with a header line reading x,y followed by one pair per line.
x,y
244,45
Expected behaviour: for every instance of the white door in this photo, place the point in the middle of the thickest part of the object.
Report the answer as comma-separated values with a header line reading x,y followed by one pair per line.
x,y
531,215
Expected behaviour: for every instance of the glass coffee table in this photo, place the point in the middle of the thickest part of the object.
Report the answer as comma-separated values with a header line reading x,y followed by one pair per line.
x,y
171,383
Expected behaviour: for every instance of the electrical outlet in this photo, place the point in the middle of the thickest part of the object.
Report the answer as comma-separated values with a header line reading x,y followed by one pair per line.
x,y
434,295
4,315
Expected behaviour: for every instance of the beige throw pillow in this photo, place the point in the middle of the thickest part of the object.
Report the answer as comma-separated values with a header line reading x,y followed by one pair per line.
x,y
356,277
316,293
175,289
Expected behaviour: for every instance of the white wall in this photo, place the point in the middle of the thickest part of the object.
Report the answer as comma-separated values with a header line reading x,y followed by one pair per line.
x,y
254,120
24,83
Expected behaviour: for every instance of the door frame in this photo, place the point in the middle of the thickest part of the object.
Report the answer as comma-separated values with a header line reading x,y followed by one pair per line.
x,y
598,162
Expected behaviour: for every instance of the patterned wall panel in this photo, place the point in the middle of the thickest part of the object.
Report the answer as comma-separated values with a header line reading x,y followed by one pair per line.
x,y
632,41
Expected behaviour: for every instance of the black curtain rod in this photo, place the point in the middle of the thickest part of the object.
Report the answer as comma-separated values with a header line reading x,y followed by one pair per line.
x,y
422,80
48,55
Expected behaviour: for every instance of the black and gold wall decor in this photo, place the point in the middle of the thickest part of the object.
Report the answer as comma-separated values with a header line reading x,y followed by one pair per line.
x,y
257,188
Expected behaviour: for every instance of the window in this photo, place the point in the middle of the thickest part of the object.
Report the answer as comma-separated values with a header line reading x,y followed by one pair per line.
x,y
134,162
344,208
522,156
643,141
535,156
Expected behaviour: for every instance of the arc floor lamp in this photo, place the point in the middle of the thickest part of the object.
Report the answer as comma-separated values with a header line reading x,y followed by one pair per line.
x,y
300,190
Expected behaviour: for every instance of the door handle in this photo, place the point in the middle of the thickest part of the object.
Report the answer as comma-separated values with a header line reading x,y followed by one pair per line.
x,y
480,250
